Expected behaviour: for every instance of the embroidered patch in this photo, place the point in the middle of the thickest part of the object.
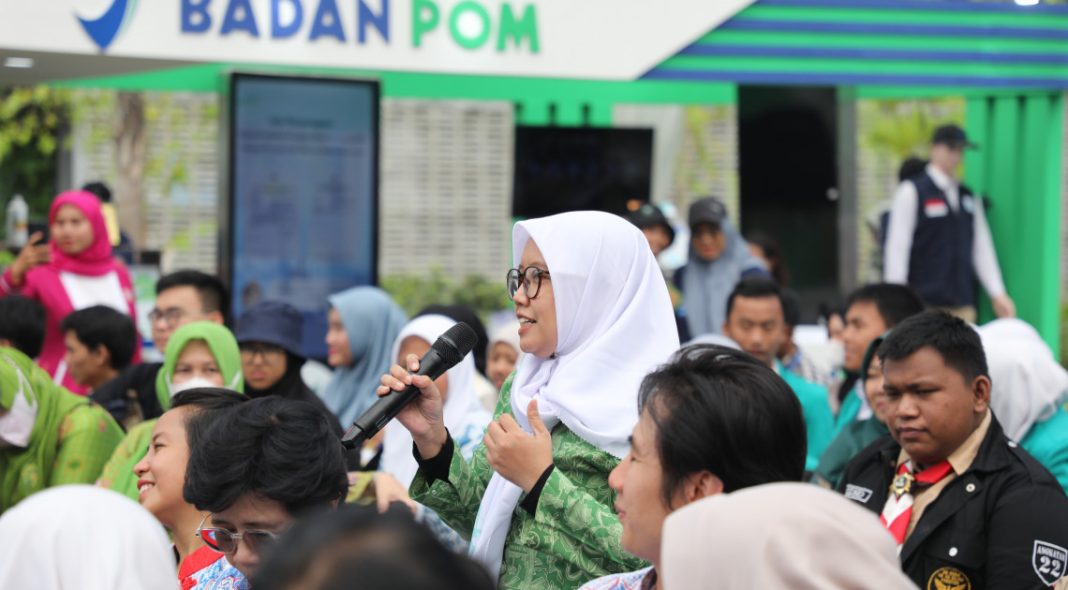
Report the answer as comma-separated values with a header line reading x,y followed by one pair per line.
x,y
935,208
857,493
1049,561
948,578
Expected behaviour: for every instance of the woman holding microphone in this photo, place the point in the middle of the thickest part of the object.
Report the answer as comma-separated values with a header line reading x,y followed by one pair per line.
x,y
595,317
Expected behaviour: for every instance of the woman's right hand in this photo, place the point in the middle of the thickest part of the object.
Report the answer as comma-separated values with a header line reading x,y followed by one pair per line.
x,y
32,255
424,416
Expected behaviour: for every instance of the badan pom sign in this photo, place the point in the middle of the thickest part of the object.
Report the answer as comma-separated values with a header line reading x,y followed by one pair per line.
x,y
590,39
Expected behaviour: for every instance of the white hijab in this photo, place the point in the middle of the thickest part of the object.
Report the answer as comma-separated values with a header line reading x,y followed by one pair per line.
x,y
463,410
781,535
1028,383
615,324
85,537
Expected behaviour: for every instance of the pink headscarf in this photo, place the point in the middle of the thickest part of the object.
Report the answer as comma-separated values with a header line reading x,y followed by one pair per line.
x,y
96,260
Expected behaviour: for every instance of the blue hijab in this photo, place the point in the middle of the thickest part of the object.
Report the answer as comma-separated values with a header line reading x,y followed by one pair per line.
x,y
706,285
372,321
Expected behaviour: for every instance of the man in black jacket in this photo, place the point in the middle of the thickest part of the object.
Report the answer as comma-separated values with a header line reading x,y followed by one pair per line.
x,y
968,507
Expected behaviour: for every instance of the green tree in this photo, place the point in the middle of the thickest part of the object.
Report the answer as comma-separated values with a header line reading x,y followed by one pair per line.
x,y
33,126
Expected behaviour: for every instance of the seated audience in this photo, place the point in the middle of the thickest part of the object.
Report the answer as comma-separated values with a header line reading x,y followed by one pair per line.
x,y
467,315
363,324
78,536
967,506
201,354
464,415
269,335
100,343
161,477
755,321
182,297
719,258
358,547
712,421
22,325
1027,392
871,310
782,535
858,434
504,355
48,435
258,467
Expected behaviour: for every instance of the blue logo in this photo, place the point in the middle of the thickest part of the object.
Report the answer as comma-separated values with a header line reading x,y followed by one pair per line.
x,y
105,29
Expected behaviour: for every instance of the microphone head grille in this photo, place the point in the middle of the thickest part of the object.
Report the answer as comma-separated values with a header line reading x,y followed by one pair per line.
x,y
455,343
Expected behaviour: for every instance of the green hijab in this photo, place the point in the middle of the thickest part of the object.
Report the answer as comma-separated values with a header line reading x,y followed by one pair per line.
x,y
223,347
25,471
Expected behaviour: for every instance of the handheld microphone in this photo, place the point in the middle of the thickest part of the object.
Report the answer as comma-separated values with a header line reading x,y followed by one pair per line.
x,y
449,349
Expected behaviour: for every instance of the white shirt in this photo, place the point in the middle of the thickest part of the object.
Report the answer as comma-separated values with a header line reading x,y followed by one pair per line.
x,y
902,224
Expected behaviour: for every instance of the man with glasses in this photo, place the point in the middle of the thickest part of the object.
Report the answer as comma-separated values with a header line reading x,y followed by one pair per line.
x,y
181,297
269,335
257,468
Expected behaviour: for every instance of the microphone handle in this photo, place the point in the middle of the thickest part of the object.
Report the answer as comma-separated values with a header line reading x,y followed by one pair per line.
x,y
388,406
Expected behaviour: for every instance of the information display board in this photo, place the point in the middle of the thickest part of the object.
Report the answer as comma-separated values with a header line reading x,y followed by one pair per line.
x,y
303,193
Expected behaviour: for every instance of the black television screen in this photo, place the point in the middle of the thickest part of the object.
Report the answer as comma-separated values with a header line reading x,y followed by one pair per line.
x,y
560,169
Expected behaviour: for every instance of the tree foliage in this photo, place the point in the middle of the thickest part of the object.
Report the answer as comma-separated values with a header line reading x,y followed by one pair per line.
x,y
33,126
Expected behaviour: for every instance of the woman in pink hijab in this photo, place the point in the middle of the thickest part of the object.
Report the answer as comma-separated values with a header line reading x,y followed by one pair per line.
x,y
73,271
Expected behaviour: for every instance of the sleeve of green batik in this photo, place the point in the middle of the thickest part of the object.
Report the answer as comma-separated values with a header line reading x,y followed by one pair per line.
x,y
87,438
456,500
566,506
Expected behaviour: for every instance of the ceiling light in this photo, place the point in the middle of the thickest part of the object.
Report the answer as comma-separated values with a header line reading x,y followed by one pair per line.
x,y
1026,2
19,62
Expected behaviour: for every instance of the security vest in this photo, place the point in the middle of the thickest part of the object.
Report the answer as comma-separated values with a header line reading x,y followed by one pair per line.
x,y
940,263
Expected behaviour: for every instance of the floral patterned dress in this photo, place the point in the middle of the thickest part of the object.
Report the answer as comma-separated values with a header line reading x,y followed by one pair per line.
x,y
573,536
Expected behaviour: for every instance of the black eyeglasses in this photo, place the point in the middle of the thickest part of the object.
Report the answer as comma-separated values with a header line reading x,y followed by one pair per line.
x,y
224,541
530,277
172,315
267,352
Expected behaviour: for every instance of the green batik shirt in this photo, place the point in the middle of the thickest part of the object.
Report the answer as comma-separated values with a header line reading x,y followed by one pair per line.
x,y
87,437
574,536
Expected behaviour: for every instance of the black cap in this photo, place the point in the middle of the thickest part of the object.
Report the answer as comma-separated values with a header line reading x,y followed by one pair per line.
x,y
707,210
272,322
953,136
649,215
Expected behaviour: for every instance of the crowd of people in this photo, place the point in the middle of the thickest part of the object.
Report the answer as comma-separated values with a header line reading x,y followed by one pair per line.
x,y
627,430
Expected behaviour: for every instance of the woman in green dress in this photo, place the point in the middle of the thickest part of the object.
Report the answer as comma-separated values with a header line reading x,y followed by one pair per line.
x,y
595,317
48,435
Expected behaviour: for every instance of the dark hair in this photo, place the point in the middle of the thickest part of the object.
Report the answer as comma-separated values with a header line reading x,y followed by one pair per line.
x,y
956,341
894,302
721,410
463,313
205,403
214,295
912,166
101,325
755,288
22,321
774,255
283,450
99,189
358,546
791,307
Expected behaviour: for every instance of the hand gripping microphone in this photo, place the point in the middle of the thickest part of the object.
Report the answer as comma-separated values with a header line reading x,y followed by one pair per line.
x,y
449,349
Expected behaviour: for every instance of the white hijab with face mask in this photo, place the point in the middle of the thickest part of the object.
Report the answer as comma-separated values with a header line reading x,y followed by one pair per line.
x,y
464,413
614,324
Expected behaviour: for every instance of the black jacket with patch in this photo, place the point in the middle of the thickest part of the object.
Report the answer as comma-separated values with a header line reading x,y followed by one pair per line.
x,y
1002,524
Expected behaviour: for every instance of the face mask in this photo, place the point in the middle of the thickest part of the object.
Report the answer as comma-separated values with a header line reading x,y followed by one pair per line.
x,y
17,425
194,383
